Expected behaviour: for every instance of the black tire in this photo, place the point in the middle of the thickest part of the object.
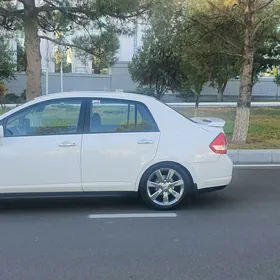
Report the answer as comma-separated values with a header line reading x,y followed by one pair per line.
x,y
187,187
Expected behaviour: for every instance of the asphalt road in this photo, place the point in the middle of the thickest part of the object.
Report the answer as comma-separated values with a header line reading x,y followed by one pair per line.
x,y
232,234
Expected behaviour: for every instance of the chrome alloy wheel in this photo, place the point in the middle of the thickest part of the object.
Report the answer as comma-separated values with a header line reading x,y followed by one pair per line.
x,y
165,186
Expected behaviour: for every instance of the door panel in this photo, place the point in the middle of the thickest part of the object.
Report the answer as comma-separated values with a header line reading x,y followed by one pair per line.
x,y
39,164
112,162
122,138
41,150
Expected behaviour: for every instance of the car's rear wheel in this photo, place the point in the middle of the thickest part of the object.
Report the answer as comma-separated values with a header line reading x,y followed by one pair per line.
x,y
164,186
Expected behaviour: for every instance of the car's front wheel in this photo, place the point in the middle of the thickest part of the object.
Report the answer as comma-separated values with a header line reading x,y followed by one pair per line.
x,y
164,186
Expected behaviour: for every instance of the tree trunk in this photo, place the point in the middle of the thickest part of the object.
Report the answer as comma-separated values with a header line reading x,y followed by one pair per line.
x,y
245,91
2,101
197,100
33,54
97,70
220,95
196,105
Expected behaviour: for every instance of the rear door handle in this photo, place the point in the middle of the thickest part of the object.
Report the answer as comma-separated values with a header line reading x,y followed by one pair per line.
x,y
67,144
145,141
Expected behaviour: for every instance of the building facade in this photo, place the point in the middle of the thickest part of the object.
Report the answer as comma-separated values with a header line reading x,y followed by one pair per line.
x,y
49,50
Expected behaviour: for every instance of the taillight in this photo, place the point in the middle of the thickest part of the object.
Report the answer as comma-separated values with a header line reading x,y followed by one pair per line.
x,y
219,144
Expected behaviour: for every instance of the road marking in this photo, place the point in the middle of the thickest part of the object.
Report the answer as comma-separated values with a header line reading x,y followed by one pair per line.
x,y
256,165
133,215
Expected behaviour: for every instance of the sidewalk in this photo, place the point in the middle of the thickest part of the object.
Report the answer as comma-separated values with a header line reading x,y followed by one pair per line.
x,y
255,156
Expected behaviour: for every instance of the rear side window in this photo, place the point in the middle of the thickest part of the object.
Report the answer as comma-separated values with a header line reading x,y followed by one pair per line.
x,y
120,116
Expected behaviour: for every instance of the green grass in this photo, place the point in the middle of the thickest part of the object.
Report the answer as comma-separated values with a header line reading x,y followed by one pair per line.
x,y
264,129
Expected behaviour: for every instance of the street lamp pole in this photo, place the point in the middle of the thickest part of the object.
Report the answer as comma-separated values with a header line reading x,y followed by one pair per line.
x,y
61,68
61,75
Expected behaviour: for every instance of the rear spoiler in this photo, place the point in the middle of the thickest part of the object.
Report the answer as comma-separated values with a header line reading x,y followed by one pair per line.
x,y
214,122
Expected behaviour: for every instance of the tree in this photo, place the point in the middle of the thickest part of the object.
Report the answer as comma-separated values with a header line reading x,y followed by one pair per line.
x,y
21,58
3,91
237,30
54,19
223,66
209,41
7,67
223,69
256,15
104,46
267,56
277,82
193,61
203,64
195,72
61,56
7,63
156,66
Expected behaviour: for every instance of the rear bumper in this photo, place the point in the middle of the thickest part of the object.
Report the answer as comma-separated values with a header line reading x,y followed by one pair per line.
x,y
212,189
197,191
214,174
219,181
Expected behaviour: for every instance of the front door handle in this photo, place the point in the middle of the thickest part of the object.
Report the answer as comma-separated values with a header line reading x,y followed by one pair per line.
x,y
67,144
145,141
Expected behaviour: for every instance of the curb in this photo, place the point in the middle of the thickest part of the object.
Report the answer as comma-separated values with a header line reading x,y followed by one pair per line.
x,y
223,104
255,156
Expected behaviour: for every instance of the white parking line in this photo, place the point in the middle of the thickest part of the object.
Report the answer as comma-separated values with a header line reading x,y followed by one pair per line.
x,y
133,215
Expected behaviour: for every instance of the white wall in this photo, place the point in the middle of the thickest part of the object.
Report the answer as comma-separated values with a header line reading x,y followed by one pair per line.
x,y
127,45
125,52
47,54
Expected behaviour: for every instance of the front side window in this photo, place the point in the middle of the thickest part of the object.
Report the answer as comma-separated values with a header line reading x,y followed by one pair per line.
x,y
55,117
118,116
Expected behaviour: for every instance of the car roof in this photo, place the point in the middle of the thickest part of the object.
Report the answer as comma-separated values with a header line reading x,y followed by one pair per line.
x,y
96,94
83,94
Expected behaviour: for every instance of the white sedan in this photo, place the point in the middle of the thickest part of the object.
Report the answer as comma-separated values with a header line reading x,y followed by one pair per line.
x,y
81,143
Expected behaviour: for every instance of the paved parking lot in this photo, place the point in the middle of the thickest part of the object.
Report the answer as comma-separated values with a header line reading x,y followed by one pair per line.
x,y
232,234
